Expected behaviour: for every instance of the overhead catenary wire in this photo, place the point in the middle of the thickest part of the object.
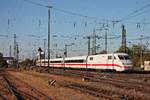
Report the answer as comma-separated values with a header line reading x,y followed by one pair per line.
x,y
35,3
135,13
69,12
132,14
81,15
129,16
139,13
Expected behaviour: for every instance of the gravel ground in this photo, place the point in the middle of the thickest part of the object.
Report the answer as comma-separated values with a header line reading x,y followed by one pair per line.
x,y
57,92
115,87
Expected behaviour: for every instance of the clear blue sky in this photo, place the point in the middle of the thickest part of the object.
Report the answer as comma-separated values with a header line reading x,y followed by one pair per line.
x,y
24,19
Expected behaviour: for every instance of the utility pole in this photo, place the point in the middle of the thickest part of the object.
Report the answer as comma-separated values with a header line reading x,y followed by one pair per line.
x,y
15,47
10,51
55,45
56,51
17,53
33,56
94,37
65,53
94,42
124,38
34,52
106,40
40,50
44,50
141,52
89,46
48,51
142,47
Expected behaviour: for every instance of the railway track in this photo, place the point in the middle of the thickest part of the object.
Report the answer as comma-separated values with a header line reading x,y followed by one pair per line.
x,y
119,81
98,91
89,90
138,87
28,91
137,79
16,89
124,84
6,90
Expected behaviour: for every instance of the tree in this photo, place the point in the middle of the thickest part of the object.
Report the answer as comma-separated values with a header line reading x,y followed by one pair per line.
x,y
26,63
138,54
3,63
128,50
103,52
1,55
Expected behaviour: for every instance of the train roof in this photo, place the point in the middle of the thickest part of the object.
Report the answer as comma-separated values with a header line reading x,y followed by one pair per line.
x,y
52,59
77,57
83,57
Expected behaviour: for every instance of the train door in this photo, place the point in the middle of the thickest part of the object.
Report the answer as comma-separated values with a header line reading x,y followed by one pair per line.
x,y
86,61
113,62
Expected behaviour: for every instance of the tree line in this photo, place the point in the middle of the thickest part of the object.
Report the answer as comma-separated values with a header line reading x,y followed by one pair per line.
x,y
138,54
3,63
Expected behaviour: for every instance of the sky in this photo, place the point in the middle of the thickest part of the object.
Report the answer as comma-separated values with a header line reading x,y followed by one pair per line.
x,y
71,21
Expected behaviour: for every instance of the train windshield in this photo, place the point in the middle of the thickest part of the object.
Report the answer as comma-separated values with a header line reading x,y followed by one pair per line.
x,y
122,57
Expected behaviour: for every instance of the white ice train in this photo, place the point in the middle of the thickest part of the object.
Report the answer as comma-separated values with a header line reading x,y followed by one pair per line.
x,y
114,61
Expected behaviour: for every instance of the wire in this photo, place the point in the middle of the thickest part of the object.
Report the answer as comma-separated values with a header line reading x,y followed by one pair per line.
x,y
134,12
35,3
34,36
80,15
136,22
138,14
68,12
129,16
3,35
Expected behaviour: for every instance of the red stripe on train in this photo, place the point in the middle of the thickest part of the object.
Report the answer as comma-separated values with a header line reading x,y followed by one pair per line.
x,y
100,65
97,65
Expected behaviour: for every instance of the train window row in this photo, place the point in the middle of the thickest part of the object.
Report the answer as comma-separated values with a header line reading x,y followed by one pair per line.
x,y
66,61
123,57
111,57
74,61
52,61
55,61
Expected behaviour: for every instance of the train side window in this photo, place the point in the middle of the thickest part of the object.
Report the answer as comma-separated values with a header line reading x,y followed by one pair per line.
x,y
74,61
121,57
114,57
91,58
109,57
55,61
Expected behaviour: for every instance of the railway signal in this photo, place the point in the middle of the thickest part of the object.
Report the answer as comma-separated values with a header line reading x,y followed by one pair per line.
x,y
40,50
